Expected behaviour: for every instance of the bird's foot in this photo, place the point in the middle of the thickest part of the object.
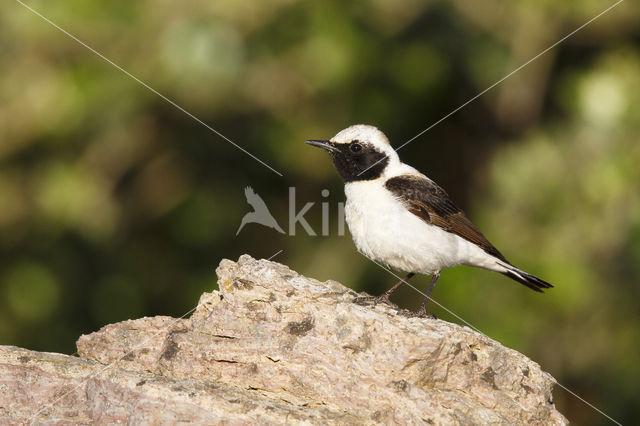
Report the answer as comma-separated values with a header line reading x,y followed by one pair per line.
x,y
418,314
371,300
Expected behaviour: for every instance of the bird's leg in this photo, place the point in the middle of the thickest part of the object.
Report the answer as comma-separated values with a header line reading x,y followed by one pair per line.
x,y
384,297
423,307
387,294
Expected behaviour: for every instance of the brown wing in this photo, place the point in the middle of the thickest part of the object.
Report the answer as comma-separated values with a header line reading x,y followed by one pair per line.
x,y
432,204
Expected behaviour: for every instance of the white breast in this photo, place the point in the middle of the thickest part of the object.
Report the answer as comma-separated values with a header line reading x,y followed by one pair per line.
x,y
384,230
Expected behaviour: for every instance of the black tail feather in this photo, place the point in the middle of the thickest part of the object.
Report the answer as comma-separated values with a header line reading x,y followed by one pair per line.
x,y
533,282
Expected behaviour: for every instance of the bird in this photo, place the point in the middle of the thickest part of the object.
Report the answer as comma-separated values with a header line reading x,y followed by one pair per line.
x,y
260,214
399,217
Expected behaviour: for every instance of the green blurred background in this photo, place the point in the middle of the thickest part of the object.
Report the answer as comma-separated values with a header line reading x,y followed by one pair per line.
x,y
115,205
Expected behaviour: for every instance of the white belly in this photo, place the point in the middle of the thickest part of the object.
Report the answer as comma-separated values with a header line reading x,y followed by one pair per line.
x,y
385,231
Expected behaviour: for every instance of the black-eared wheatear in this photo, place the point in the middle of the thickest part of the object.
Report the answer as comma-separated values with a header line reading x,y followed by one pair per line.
x,y
401,218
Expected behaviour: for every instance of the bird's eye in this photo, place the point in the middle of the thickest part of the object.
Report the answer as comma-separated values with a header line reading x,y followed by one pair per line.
x,y
355,147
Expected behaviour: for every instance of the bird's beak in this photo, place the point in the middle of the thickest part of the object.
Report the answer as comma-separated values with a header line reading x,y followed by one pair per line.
x,y
324,144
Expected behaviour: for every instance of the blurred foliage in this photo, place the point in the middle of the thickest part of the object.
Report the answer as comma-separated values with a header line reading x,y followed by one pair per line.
x,y
114,204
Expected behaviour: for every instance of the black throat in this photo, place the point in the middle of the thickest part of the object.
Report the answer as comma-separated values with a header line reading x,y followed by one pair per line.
x,y
367,164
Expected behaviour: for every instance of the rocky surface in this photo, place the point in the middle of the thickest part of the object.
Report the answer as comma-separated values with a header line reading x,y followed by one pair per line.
x,y
273,346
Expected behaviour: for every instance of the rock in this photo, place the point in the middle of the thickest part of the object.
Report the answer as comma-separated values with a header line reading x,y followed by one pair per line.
x,y
273,346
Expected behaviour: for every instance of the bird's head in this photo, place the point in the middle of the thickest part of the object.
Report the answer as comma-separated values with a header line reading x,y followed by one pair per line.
x,y
359,152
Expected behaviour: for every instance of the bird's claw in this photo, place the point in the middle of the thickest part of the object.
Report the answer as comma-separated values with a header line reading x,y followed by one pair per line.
x,y
418,314
371,300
